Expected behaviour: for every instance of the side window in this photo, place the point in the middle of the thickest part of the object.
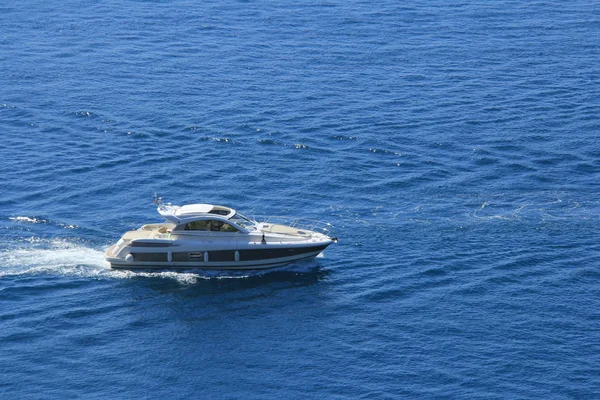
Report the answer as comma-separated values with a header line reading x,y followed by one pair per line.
x,y
228,228
206,225
220,226
197,226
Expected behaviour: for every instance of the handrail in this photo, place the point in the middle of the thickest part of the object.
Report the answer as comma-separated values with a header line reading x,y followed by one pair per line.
x,y
300,224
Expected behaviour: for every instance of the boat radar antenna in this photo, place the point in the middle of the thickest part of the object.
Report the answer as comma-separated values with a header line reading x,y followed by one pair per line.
x,y
158,200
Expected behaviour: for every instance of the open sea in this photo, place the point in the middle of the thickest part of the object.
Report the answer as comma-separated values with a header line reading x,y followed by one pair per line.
x,y
455,146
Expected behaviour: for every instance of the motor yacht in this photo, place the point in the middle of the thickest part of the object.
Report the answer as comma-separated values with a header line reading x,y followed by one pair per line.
x,y
209,236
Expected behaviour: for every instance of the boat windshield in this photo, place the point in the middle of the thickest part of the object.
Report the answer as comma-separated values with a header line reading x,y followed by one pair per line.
x,y
243,221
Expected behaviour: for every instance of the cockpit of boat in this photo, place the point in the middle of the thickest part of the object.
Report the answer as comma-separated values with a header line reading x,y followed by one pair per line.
x,y
207,218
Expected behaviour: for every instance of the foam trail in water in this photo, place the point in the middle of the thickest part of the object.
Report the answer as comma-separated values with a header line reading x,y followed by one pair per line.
x,y
51,256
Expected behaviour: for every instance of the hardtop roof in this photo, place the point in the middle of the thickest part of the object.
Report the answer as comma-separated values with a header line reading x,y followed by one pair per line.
x,y
178,213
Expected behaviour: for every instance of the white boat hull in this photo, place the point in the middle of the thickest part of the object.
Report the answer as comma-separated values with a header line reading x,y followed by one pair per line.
x,y
216,259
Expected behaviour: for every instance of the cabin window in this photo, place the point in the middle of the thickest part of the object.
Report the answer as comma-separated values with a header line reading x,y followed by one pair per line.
x,y
197,226
225,227
210,225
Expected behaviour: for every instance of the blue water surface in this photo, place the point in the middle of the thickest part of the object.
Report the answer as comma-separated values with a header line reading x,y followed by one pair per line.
x,y
454,145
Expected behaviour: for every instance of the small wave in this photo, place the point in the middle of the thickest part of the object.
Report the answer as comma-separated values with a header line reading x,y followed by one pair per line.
x,y
532,209
85,114
216,139
31,220
384,151
343,137
38,220
269,141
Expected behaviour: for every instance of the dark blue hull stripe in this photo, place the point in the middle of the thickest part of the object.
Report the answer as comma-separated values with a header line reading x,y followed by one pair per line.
x,y
248,259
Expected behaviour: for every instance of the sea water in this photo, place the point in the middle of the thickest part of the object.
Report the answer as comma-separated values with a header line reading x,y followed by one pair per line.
x,y
453,145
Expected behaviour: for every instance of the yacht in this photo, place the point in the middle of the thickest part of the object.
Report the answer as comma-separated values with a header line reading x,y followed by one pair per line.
x,y
209,236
